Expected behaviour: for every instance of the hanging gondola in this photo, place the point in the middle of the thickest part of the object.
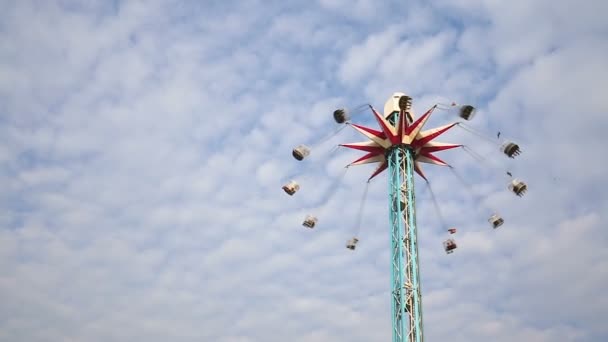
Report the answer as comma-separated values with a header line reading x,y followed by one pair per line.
x,y
300,152
449,246
310,221
467,112
510,149
341,115
496,221
352,243
518,187
291,188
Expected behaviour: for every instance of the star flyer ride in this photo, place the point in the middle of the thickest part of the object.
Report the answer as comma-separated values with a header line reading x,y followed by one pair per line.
x,y
400,147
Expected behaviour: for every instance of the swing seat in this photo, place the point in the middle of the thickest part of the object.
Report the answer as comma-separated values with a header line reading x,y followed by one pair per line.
x,y
449,246
467,112
291,188
518,187
340,115
300,152
352,243
496,221
310,221
511,149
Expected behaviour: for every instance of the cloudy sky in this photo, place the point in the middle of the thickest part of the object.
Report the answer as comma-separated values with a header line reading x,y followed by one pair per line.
x,y
143,145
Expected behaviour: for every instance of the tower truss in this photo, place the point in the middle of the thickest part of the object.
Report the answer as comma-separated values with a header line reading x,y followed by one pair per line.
x,y
405,277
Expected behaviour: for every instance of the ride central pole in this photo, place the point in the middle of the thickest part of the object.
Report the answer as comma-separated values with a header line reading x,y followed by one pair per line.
x,y
405,277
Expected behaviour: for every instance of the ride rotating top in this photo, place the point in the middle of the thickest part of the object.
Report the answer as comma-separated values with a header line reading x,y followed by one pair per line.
x,y
403,132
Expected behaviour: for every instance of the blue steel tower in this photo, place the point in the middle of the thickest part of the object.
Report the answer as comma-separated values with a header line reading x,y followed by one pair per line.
x,y
400,146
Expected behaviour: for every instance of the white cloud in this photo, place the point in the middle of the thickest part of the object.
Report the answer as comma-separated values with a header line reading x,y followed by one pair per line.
x,y
143,146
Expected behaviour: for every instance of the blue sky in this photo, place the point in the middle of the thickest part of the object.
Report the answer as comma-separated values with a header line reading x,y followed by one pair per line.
x,y
143,145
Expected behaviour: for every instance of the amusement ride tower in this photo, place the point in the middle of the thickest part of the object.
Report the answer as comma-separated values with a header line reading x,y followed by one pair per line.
x,y
400,146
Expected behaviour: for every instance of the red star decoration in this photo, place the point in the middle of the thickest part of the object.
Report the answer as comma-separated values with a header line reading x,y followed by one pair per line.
x,y
402,133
